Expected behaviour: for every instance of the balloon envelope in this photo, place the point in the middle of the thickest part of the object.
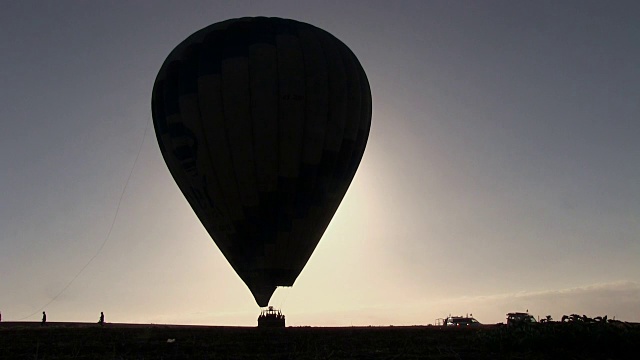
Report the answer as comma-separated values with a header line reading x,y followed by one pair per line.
x,y
262,123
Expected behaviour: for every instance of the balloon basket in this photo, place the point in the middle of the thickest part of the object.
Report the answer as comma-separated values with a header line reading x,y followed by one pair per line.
x,y
271,318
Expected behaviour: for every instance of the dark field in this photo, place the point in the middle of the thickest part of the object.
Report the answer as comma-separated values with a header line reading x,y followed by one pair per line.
x,y
122,341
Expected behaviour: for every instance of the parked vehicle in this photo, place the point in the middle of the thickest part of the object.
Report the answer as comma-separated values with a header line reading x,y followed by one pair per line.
x,y
520,318
461,321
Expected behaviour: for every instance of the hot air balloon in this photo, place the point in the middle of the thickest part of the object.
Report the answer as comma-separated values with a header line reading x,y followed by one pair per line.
x,y
262,123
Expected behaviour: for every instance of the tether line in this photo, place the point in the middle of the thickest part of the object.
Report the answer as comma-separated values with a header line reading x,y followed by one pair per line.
x,y
113,222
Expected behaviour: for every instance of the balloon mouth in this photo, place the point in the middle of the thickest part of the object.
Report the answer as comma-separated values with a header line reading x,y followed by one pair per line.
x,y
263,284
262,294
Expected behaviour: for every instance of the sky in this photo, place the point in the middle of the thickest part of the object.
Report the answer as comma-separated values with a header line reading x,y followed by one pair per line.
x,y
501,174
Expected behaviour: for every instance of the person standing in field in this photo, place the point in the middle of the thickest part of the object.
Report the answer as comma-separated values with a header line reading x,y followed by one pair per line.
x,y
101,321
44,318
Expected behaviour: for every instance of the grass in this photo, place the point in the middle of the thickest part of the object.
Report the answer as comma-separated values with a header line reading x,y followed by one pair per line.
x,y
114,341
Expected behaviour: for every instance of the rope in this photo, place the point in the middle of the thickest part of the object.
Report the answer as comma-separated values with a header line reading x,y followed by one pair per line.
x,y
113,222
286,296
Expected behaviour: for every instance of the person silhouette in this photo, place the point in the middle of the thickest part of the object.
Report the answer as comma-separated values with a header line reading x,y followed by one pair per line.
x,y
101,321
44,318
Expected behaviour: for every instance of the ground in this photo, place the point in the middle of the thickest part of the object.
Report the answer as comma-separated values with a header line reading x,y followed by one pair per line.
x,y
126,341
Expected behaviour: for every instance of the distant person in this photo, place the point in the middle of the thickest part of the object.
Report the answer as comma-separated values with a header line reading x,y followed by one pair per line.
x,y
44,318
101,321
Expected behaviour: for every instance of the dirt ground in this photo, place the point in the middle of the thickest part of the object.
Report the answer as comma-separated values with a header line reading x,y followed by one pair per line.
x,y
122,341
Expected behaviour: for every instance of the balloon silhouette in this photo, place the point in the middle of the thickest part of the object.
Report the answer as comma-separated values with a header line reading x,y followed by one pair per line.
x,y
262,123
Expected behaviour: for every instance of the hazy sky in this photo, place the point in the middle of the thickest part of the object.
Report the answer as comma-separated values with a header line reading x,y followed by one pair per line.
x,y
502,171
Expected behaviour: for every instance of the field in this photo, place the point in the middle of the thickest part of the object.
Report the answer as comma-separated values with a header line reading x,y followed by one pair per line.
x,y
129,341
